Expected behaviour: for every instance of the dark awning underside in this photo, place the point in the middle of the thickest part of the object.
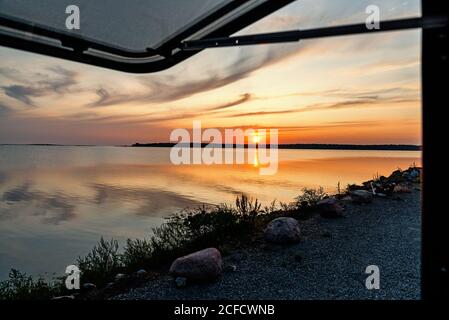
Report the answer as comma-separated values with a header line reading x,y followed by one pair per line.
x,y
137,36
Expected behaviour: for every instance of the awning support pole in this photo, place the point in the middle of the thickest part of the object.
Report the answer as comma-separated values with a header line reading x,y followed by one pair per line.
x,y
297,35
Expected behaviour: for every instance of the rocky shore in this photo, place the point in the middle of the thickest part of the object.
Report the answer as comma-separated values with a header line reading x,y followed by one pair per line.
x,y
323,257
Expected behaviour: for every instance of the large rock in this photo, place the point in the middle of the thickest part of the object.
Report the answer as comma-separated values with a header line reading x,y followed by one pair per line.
x,y
89,287
330,208
120,277
402,188
415,173
361,196
198,266
396,177
412,175
283,230
142,273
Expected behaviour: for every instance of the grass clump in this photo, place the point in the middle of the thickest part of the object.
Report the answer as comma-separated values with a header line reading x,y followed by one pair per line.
x,y
20,286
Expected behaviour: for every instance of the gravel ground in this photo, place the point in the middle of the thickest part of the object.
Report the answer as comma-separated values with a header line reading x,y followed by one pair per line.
x,y
335,254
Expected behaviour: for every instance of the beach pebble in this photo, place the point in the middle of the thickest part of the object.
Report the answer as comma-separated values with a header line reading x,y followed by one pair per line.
x,y
64,298
230,268
201,265
283,230
181,282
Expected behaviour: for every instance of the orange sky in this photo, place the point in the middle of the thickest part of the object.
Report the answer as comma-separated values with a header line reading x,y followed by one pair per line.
x,y
355,89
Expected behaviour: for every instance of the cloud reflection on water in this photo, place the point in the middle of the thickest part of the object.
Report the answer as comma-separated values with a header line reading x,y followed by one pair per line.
x,y
153,202
53,208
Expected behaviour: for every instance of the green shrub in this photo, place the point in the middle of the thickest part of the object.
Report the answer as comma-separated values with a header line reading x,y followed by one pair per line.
x,y
353,187
310,198
101,263
137,254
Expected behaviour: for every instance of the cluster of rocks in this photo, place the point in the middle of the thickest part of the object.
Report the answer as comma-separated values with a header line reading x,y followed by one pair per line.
x,y
400,181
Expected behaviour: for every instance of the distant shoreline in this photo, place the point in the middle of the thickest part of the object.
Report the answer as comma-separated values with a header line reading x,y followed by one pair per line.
x,y
313,146
398,147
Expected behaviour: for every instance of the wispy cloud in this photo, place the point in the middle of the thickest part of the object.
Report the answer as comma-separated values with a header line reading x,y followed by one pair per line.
x,y
30,86
161,117
245,98
23,93
311,127
260,113
108,98
320,107
353,99
167,88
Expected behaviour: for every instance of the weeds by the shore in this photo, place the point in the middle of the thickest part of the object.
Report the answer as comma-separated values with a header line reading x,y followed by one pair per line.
x,y
182,233
20,286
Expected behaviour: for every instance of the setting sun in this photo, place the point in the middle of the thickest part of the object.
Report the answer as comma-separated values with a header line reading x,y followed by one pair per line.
x,y
256,138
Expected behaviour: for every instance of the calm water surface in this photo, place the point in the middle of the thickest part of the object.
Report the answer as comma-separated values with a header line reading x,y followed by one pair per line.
x,y
56,202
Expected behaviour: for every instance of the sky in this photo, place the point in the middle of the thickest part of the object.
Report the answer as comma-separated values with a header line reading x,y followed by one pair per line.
x,y
362,89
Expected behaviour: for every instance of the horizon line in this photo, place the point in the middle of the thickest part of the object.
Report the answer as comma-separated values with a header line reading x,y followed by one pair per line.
x,y
341,146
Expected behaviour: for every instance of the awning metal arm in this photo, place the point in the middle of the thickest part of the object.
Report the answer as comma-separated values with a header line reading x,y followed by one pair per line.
x,y
296,35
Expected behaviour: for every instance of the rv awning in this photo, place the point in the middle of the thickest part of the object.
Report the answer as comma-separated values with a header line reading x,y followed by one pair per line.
x,y
138,36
